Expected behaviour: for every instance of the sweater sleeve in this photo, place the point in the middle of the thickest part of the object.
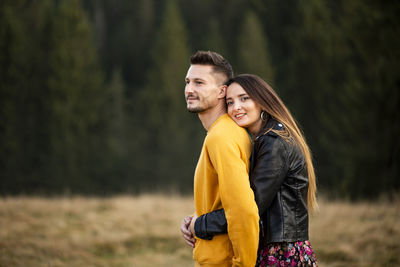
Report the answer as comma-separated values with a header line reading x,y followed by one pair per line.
x,y
237,198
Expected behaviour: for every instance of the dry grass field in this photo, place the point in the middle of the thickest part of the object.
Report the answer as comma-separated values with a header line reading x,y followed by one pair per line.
x,y
144,231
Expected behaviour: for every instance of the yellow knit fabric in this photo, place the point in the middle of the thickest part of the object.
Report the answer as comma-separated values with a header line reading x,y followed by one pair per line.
x,y
221,181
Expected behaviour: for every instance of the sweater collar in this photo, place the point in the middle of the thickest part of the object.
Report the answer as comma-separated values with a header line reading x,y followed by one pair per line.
x,y
220,118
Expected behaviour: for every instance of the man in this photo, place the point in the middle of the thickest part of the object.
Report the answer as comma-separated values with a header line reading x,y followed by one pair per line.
x,y
221,177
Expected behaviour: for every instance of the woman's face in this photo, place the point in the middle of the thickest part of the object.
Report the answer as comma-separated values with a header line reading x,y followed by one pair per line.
x,y
242,109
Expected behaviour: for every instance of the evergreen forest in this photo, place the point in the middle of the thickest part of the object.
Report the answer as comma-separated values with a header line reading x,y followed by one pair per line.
x,y
92,91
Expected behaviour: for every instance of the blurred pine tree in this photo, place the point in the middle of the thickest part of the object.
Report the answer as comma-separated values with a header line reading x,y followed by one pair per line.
x,y
253,50
77,99
170,129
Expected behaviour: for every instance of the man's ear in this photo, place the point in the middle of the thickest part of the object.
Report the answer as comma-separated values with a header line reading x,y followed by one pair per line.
x,y
222,91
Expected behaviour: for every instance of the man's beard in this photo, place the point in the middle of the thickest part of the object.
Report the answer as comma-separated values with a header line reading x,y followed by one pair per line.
x,y
204,106
196,109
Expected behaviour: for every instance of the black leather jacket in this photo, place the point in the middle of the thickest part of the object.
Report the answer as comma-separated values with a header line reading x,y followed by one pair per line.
x,y
278,177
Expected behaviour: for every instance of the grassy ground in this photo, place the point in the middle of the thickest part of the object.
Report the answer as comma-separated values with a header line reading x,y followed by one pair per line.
x,y
144,231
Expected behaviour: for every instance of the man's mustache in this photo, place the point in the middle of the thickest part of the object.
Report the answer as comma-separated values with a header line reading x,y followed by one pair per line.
x,y
193,96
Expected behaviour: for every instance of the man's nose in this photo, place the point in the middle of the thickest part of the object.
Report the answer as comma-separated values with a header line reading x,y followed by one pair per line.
x,y
188,88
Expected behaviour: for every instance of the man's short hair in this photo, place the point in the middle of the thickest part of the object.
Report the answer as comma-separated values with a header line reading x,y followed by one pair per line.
x,y
219,63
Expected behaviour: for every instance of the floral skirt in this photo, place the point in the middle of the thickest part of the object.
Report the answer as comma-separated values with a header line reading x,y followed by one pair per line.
x,y
287,254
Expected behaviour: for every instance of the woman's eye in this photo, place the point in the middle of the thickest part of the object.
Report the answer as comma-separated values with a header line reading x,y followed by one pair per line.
x,y
244,98
229,103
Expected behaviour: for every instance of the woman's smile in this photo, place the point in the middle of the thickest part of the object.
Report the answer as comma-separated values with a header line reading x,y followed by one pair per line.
x,y
239,116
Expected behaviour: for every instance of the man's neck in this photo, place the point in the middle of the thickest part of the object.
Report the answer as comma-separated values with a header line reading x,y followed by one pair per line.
x,y
211,115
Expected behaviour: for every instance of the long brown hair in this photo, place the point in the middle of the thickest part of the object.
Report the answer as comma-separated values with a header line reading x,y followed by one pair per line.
x,y
259,91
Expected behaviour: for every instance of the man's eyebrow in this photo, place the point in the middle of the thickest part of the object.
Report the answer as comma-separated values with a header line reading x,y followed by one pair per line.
x,y
194,79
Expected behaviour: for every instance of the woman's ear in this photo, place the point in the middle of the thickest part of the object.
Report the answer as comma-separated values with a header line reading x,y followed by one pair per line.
x,y
222,91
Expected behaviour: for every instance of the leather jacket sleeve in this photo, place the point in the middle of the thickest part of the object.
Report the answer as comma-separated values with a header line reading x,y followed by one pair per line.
x,y
210,224
270,169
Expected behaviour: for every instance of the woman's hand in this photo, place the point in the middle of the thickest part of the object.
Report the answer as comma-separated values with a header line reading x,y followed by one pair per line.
x,y
192,225
186,232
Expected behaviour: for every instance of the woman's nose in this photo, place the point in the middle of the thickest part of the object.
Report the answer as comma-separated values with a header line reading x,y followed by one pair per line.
x,y
237,106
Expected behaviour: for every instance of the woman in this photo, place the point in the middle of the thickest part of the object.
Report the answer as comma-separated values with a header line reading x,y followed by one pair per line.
x,y
281,175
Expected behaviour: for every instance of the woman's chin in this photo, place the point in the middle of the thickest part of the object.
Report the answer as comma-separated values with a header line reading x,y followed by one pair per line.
x,y
241,124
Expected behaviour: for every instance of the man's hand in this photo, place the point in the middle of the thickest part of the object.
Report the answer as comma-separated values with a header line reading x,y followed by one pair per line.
x,y
186,233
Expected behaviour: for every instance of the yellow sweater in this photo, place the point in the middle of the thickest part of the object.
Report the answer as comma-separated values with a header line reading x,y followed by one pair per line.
x,y
222,181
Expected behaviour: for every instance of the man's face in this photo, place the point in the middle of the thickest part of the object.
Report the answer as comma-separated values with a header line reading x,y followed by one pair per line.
x,y
203,88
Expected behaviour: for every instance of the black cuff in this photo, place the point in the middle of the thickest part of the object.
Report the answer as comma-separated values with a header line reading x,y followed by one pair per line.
x,y
200,228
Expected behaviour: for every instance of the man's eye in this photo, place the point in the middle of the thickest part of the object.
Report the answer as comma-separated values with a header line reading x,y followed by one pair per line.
x,y
199,83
